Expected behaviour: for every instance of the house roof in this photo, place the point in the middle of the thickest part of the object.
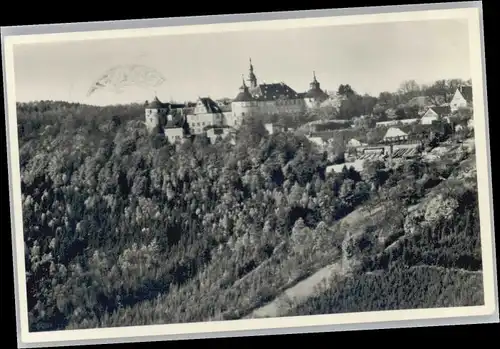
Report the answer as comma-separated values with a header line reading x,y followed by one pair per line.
x,y
441,110
395,132
466,92
271,92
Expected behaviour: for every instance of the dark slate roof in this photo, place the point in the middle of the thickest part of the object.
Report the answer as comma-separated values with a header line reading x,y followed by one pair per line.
x,y
177,106
466,91
155,104
272,92
442,110
211,105
244,96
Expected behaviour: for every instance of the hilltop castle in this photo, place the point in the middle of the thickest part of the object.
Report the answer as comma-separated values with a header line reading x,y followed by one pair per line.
x,y
276,98
176,120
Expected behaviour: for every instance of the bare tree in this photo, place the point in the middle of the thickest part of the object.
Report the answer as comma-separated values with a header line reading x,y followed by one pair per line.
x,y
409,89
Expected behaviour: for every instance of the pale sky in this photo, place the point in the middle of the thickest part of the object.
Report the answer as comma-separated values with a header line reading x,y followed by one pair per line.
x,y
370,57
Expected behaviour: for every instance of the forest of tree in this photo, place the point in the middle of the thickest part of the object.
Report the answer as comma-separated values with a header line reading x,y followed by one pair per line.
x,y
117,221
430,287
430,257
122,228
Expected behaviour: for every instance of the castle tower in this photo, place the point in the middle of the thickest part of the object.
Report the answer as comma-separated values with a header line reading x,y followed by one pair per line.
x,y
251,76
315,96
242,105
314,85
155,112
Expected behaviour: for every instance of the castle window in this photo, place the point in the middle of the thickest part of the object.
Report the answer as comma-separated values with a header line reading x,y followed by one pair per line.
x,y
242,114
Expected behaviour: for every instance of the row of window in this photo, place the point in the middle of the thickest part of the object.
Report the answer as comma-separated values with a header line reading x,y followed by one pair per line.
x,y
276,102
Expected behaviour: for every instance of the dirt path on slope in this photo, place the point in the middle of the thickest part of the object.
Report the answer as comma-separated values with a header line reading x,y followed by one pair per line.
x,y
304,289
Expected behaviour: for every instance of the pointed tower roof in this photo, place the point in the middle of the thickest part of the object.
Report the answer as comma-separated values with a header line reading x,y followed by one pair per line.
x,y
244,95
251,75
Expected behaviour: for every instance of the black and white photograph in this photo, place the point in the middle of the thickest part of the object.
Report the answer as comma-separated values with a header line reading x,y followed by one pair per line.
x,y
236,172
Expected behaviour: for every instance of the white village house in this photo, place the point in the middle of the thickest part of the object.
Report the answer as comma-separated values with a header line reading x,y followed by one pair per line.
x,y
434,114
462,98
394,134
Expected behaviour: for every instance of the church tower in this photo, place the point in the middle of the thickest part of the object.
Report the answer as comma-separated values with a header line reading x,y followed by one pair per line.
x,y
252,79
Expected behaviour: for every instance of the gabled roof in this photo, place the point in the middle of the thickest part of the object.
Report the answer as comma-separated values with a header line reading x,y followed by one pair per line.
x,y
441,110
272,92
395,132
466,92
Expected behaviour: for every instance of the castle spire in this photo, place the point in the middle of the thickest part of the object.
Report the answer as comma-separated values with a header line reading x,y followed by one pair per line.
x,y
251,76
243,87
